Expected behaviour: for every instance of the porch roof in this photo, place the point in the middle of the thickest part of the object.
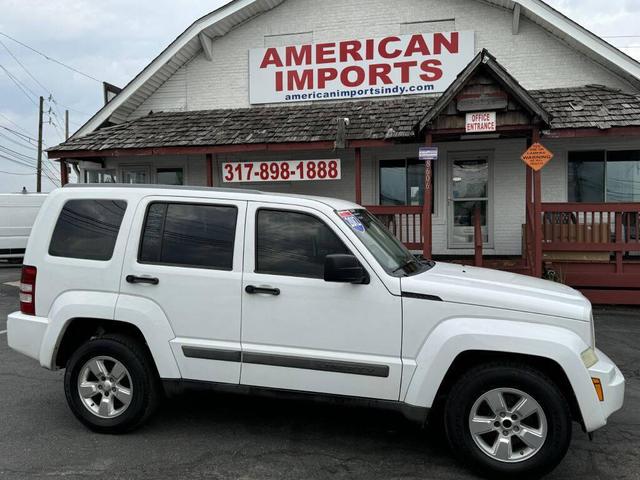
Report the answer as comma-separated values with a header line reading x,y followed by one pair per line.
x,y
586,107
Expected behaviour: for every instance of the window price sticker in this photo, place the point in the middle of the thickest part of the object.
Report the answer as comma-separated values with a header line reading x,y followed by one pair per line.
x,y
350,219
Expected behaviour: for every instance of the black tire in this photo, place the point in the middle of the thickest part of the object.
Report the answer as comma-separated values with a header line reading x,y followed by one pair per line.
x,y
145,384
484,378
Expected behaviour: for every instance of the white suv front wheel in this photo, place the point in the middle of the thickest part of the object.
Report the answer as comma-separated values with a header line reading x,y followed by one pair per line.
x,y
110,384
508,419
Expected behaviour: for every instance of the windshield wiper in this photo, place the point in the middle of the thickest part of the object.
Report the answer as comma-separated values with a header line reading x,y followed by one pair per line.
x,y
405,265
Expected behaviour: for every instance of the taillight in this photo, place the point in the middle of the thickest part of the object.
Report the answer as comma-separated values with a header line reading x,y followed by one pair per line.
x,y
28,290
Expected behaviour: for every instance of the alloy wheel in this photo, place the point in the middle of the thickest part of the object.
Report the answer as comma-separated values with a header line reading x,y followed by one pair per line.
x,y
508,425
105,387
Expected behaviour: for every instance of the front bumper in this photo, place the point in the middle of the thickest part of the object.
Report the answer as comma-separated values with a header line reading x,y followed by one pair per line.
x,y
25,333
612,382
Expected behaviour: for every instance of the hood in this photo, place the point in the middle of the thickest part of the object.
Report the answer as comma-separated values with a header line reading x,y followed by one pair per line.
x,y
497,289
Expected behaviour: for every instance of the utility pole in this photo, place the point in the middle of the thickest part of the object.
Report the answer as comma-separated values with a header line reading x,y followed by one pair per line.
x,y
39,167
64,168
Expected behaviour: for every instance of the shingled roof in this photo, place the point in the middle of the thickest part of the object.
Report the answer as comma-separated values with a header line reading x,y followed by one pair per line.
x,y
592,106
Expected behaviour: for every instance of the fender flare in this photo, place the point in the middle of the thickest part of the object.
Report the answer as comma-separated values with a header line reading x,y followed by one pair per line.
x,y
147,316
458,335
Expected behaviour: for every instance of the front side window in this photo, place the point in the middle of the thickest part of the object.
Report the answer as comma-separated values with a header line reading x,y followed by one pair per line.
x,y
390,253
189,235
87,229
293,244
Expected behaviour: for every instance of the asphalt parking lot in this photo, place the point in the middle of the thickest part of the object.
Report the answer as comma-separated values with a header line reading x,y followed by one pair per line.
x,y
203,435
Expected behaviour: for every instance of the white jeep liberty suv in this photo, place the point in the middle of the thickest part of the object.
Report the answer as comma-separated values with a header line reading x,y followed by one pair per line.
x,y
135,290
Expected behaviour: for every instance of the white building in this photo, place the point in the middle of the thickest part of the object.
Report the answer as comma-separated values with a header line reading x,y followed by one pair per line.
x,y
242,90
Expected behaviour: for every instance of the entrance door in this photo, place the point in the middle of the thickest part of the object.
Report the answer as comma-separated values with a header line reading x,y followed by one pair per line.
x,y
469,188
302,333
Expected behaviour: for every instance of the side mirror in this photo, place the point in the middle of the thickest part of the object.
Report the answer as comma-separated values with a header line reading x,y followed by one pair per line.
x,y
344,269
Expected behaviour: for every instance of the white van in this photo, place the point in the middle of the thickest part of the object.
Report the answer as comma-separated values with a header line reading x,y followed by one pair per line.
x,y
17,213
139,290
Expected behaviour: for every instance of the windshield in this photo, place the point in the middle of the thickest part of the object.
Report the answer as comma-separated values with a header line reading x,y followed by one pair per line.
x,y
394,257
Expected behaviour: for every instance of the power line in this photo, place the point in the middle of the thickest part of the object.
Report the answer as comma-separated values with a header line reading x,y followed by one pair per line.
x,y
16,142
16,79
51,59
23,67
51,99
14,123
18,134
53,179
22,157
17,83
14,152
16,173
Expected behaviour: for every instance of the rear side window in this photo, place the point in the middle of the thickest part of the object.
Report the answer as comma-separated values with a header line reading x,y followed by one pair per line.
x,y
87,229
294,244
189,235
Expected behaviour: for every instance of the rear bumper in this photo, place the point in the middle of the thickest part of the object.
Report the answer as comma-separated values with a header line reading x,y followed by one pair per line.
x,y
25,333
612,382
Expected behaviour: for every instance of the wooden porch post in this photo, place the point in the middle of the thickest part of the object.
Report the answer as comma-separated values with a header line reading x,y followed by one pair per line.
x,y
64,173
209,170
358,154
426,209
477,237
528,213
537,213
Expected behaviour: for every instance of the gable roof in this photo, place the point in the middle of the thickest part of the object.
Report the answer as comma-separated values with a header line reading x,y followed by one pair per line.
x,y
592,106
482,62
224,19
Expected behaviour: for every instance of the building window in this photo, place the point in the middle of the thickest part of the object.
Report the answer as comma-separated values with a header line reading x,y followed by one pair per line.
x,y
293,244
189,235
604,176
135,175
170,176
623,176
100,176
586,176
402,182
87,229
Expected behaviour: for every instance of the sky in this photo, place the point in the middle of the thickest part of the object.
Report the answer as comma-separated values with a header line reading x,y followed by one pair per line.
x,y
112,40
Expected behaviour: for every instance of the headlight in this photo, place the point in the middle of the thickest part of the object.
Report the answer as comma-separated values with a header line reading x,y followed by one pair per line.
x,y
589,357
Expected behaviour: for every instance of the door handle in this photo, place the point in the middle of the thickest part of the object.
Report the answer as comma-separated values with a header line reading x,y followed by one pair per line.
x,y
148,280
267,290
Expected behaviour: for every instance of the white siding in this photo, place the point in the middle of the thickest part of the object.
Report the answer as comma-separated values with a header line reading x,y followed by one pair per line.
x,y
534,57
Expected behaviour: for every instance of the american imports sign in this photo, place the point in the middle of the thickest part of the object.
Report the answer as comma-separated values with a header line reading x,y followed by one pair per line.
x,y
373,67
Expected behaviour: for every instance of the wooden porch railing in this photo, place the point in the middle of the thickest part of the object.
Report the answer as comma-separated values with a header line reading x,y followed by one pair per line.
x,y
405,222
609,228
